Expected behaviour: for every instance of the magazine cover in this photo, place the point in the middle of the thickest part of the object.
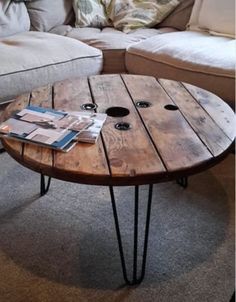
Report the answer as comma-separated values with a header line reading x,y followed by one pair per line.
x,y
53,128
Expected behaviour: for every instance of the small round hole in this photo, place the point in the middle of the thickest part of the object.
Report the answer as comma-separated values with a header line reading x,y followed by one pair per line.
x,y
171,107
117,111
143,104
89,106
123,126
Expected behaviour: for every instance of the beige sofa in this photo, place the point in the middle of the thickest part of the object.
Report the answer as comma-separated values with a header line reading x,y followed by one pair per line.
x,y
42,46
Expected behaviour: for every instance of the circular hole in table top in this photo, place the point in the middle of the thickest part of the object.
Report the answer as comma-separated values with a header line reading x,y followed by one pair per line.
x,y
117,111
171,107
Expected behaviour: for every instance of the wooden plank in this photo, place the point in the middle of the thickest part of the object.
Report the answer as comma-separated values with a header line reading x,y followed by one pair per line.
x,y
42,97
131,153
16,105
85,162
177,143
220,112
205,127
71,94
13,147
39,158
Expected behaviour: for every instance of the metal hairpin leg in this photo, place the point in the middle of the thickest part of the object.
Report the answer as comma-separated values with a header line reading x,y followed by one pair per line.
x,y
183,182
1,148
135,279
44,188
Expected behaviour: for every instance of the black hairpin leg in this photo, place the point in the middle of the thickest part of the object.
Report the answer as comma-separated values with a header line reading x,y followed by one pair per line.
x,y
44,188
135,278
183,182
1,147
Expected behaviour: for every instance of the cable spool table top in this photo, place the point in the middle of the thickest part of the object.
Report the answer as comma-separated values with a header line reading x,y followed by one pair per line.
x,y
156,130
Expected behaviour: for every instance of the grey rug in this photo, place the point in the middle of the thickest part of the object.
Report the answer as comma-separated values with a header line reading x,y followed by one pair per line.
x,y
62,247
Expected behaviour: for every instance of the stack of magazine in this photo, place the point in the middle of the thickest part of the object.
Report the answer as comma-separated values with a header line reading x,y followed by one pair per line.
x,y
51,128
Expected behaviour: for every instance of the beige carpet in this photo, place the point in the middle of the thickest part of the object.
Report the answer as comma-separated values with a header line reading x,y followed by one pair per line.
x,y
62,247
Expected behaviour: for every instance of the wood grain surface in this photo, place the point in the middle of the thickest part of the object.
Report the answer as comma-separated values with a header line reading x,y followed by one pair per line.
x,y
84,159
206,128
130,153
161,144
176,141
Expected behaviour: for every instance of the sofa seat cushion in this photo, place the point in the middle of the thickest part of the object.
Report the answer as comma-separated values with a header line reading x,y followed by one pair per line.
x,y
194,57
40,58
113,43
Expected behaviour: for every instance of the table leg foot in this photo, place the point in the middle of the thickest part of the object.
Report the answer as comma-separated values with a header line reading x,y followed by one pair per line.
x,y
183,182
135,280
43,186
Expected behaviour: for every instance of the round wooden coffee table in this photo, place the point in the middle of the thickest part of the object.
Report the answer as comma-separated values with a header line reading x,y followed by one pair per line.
x,y
156,131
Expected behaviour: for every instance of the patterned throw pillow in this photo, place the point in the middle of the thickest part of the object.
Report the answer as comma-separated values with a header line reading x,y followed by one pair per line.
x,y
90,13
127,15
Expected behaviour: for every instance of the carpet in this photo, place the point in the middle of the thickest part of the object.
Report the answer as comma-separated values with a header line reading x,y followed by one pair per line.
x,y
62,246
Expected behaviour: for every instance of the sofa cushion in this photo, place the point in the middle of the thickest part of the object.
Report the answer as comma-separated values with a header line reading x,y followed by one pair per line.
x,y
130,14
90,13
41,58
45,14
113,43
214,16
203,53
179,18
14,18
207,61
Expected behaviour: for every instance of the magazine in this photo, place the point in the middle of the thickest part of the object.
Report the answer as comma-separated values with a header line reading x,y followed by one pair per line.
x,y
56,129
90,134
